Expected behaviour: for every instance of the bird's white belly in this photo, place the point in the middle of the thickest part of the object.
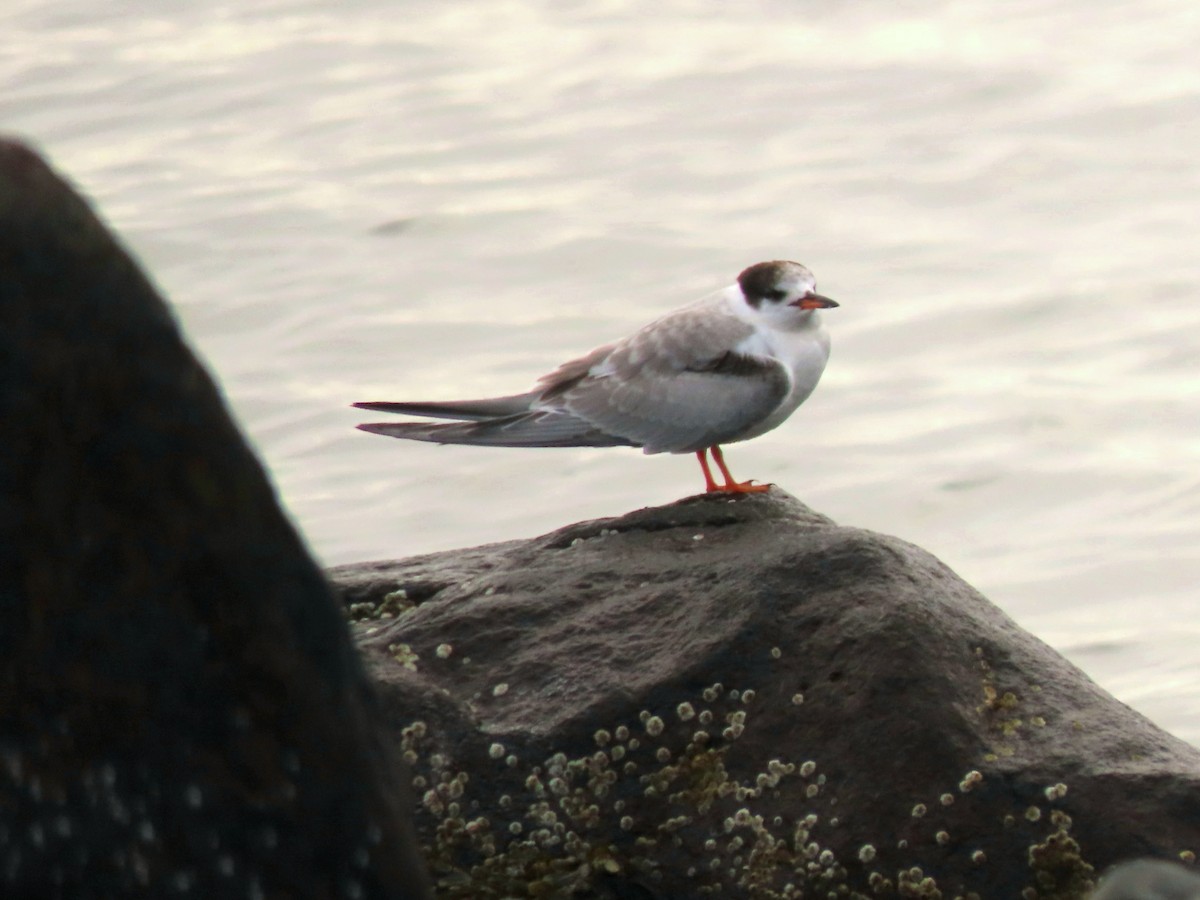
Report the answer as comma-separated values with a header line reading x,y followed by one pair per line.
x,y
804,353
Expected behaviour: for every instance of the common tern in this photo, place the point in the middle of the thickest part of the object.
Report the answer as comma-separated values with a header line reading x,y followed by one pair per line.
x,y
728,367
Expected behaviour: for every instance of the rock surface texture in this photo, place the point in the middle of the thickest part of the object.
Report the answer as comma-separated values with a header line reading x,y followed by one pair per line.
x,y
182,712
736,697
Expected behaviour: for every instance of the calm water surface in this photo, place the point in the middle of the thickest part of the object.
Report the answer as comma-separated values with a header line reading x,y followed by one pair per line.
x,y
363,200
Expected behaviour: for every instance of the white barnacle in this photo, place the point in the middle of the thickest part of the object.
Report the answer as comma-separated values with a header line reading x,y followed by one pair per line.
x,y
1056,791
194,796
182,881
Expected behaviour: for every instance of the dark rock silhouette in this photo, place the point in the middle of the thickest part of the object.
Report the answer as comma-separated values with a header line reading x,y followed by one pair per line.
x,y
181,709
733,695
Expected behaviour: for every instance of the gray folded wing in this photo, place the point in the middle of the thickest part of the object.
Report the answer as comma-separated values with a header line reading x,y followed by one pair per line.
x,y
677,385
463,410
512,421
541,428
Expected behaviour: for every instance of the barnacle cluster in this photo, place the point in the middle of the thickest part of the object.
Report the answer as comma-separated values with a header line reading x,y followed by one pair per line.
x,y
654,798
650,785
389,606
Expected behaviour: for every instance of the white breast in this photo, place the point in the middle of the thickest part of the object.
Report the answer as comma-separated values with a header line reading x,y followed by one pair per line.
x,y
804,351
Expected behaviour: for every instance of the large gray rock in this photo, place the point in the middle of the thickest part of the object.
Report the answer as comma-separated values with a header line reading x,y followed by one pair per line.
x,y
181,709
737,697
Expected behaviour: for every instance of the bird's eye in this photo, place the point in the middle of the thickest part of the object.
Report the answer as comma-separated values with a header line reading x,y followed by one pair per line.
x,y
776,294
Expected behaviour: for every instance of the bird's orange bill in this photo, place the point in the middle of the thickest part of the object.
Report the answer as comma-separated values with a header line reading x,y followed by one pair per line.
x,y
815,301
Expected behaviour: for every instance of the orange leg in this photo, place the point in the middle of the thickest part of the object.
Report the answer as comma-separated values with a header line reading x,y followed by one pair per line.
x,y
709,484
732,486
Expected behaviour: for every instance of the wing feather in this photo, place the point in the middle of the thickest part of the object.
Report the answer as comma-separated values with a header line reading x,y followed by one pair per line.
x,y
532,429
677,385
466,410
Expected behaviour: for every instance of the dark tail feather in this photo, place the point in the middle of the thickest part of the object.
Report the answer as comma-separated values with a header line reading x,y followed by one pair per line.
x,y
463,410
530,429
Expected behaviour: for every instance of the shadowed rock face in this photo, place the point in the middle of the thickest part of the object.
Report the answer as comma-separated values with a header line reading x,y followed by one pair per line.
x,y
738,692
181,710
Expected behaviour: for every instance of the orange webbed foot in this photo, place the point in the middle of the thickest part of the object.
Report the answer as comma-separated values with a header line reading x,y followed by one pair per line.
x,y
731,485
742,487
